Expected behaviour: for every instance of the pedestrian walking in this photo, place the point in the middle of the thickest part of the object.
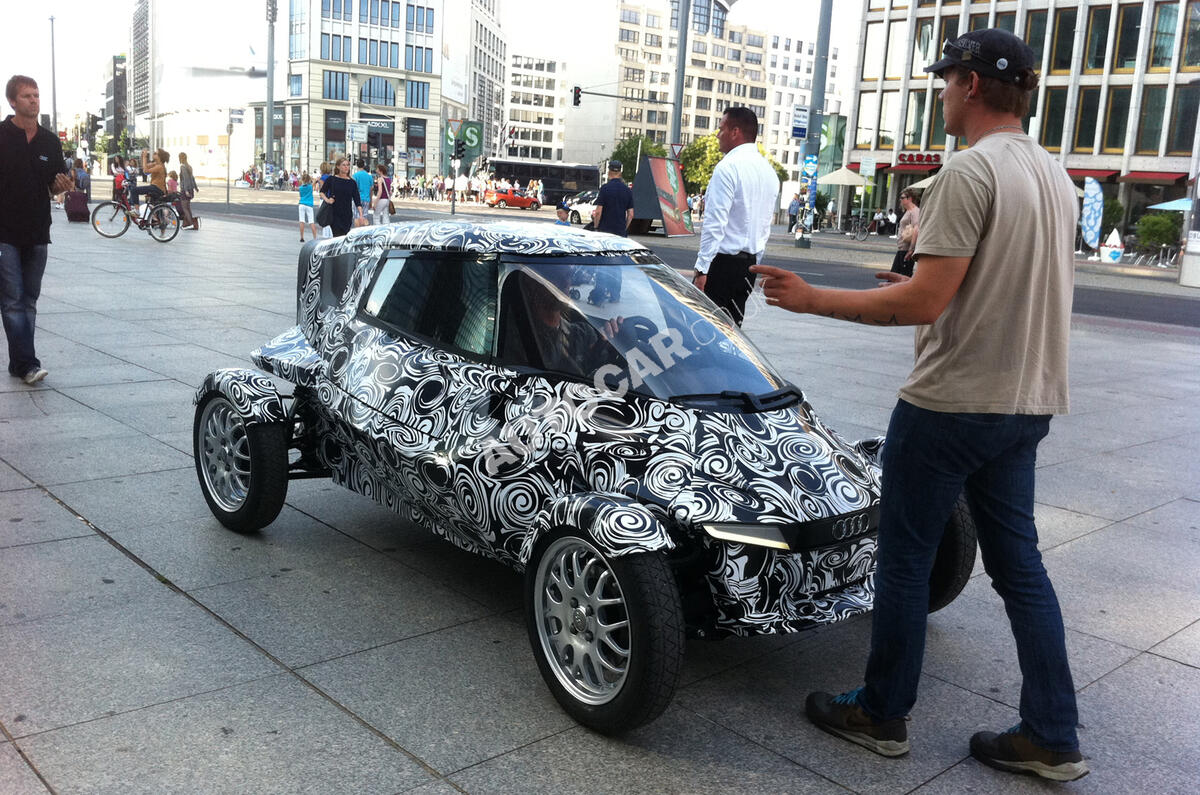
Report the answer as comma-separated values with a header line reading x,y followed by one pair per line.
x,y
342,191
83,180
381,193
365,182
995,252
319,190
31,170
738,205
793,212
907,234
187,191
613,208
306,211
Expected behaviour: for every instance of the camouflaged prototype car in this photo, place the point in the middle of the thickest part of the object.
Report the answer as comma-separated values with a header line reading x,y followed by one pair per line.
x,y
564,402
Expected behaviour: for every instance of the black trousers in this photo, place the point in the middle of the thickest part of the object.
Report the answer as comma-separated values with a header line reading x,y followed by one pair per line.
x,y
901,265
729,283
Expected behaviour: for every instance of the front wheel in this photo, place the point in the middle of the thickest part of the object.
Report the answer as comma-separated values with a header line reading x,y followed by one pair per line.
x,y
242,468
861,231
955,557
163,223
535,207
109,219
502,204
607,632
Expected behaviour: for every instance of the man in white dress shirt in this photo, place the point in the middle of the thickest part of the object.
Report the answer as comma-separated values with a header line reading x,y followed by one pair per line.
x,y
738,205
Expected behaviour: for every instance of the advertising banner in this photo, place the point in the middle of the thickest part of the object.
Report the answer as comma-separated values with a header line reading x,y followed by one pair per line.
x,y
659,195
1093,212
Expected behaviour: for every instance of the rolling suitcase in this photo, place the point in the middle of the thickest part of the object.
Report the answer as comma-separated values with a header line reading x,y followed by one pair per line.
x,y
75,203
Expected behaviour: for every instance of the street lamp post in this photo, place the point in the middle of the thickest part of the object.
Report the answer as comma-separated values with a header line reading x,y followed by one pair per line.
x,y
272,11
53,82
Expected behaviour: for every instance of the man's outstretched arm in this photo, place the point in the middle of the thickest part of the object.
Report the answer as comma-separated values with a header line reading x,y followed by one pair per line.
x,y
917,301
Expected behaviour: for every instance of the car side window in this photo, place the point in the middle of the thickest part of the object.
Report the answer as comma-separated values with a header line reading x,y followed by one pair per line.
x,y
449,300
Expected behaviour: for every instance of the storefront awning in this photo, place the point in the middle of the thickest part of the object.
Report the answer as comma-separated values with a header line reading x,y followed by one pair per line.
x,y
1097,174
1153,177
915,168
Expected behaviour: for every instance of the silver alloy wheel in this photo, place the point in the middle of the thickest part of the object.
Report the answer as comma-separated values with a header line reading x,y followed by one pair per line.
x,y
225,452
582,621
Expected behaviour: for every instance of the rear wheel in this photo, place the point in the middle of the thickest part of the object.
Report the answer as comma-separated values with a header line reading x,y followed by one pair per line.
x,y
242,468
955,557
861,231
163,223
607,632
109,219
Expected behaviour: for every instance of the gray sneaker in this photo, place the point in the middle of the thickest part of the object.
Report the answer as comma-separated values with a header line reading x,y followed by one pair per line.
x,y
35,375
1015,753
841,716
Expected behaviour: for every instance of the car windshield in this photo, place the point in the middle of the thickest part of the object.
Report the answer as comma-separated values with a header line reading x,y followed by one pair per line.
x,y
630,324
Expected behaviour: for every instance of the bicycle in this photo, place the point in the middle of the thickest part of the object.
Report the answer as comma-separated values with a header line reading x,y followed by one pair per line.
x,y
112,219
860,227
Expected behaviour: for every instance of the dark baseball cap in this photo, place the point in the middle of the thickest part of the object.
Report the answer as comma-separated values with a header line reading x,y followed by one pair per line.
x,y
991,52
615,165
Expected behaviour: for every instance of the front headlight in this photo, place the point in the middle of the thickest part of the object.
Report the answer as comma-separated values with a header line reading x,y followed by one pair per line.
x,y
761,535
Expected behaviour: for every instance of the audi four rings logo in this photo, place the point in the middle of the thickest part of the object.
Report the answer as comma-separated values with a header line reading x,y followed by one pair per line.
x,y
850,526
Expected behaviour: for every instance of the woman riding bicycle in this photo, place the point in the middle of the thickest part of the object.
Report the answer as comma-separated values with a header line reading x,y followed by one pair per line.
x,y
155,166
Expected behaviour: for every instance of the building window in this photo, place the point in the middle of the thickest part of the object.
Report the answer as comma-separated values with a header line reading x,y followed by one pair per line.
x,y
1162,45
977,22
653,20
1064,39
1190,59
1129,28
1035,34
1183,120
362,50
914,120
630,16
378,91
868,115
627,35
408,58
416,94
757,92
704,84
335,85
1097,39
753,40
324,46
632,75
395,15
1150,122
1085,119
1118,118
335,134
703,103
295,123
873,52
924,48
937,133
701,122
889,104
295,85
897,50
1052,122
374,12
653,40
1007,20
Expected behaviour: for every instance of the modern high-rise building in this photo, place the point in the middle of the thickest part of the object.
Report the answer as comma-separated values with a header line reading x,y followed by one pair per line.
x,y
791,62
1118,96
116,108
489,59
538,96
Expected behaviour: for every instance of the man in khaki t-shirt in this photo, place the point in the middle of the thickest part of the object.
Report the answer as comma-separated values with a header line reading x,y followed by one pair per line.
x,y
991,296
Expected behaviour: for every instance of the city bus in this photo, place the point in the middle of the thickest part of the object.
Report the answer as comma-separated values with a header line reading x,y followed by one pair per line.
x,y
559,180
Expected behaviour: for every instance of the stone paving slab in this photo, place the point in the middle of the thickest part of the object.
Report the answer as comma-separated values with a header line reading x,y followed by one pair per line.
x,y
272,735
98,663
432,684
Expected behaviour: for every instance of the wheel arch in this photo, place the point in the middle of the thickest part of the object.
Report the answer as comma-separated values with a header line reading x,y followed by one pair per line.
x,y
251,392
617,525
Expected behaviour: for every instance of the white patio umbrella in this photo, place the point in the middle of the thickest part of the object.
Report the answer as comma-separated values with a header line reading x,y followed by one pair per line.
x,y
843,176
923,183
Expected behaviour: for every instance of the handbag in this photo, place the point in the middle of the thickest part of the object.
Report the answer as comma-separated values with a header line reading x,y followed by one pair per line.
x,y
391,208
323,213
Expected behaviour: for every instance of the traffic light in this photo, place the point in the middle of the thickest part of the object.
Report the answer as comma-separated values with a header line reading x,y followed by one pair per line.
x,y
577,94
460,149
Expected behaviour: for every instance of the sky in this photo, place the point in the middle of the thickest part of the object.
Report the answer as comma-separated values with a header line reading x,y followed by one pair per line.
x,y
88,33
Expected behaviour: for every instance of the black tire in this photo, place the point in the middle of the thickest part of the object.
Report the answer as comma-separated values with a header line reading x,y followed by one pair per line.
x,y
648,600
535,207
220,440
861,231
575,219
163,223
502,204
955,557
110,220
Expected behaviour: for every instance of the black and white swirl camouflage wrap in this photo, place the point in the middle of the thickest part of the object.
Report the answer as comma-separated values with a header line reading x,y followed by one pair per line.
x,y
252,394
493,460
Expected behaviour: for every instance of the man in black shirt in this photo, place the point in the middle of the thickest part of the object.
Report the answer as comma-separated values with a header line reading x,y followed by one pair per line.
x,y
614,206
31,169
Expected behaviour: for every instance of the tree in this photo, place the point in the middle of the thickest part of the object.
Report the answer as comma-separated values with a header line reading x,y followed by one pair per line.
x,y
1114,215
1159,229
701,156
626,151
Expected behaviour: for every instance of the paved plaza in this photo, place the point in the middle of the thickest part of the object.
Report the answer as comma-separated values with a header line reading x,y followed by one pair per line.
x,y
144,648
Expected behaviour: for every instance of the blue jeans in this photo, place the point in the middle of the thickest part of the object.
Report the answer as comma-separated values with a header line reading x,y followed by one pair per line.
x,y
928,460
21,269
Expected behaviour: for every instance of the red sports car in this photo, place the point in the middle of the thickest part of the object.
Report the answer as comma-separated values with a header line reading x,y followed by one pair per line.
x,y
510,198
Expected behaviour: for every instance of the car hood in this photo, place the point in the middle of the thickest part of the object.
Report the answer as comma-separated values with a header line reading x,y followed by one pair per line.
x,y
780,467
